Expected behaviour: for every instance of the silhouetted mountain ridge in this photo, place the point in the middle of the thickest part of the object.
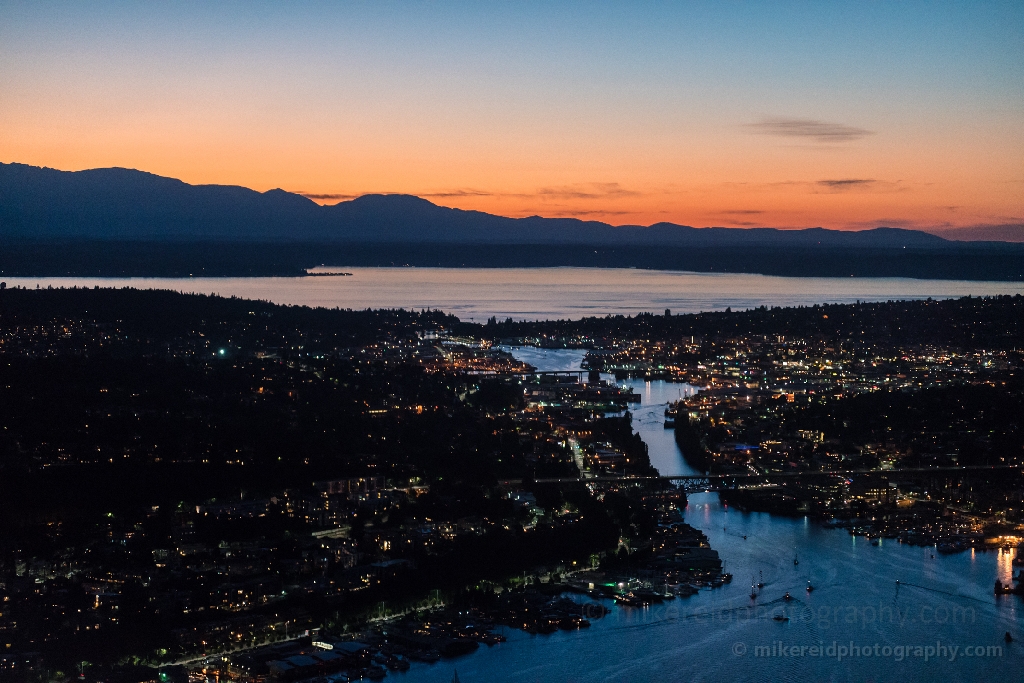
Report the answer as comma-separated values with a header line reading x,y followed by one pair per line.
x,y
123,204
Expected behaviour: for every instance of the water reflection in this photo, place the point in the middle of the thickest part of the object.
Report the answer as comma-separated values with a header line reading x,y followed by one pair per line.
x,y
941,599
649,422
890,595
550,293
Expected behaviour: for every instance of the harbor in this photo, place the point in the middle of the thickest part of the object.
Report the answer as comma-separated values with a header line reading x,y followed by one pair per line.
x,y
855,597
716,582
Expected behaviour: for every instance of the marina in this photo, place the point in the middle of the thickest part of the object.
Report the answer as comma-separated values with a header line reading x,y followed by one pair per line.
x,y
843,590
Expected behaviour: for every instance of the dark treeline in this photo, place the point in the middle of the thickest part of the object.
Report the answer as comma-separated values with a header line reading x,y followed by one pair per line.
x,y
101,258
163,314
83,436
969,322
968,425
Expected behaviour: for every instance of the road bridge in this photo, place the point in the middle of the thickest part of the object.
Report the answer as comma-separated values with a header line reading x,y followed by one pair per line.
x,y
706,483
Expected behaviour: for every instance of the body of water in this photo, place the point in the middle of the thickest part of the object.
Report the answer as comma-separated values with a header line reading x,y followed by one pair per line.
x,y
550,293
941,602
648,417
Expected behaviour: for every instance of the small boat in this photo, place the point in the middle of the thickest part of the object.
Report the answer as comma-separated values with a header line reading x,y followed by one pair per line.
x,y
728,577
787,597
760,580
1008,638
809,586
744,537
796,560
638,599
780,617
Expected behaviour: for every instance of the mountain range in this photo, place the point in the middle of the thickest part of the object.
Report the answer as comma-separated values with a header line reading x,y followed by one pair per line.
x,y
123,222
125,204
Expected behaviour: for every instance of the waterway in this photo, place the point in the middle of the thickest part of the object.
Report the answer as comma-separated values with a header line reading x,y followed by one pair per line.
x,y
941,602
476,294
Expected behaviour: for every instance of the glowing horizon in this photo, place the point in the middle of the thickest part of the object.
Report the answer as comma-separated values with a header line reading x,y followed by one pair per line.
x,y
778,115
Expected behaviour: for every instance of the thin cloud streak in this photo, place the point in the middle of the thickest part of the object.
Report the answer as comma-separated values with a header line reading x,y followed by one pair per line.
x,y
443,194
845,184
825,185
819,131
588,191
585,191
322,196
574,214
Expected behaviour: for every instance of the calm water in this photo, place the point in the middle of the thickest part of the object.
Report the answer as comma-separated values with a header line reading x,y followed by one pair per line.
x,y
549,293
942,600
648,417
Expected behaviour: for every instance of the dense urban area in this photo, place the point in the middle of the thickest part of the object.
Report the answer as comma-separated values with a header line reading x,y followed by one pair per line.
x,y
198,488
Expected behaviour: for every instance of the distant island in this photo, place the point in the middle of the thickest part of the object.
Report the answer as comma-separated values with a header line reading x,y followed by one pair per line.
x,y
123,222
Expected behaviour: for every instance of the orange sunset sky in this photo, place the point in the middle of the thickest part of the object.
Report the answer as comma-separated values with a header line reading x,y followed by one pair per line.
x,y
785,115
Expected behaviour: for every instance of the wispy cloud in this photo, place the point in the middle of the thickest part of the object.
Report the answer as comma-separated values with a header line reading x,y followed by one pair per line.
x,y
869,185
808,129
587,191
846,184
324,196
575,191
572,191
823,186
458,193
570,213
735,217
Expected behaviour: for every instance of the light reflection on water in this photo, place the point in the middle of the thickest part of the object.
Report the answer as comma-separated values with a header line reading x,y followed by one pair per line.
x,y
550,293
940,599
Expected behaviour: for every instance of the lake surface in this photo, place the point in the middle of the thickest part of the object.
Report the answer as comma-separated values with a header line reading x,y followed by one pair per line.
x,y
476,294
942,601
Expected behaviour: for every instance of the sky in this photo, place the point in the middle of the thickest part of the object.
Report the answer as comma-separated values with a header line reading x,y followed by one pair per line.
x,y
783,114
